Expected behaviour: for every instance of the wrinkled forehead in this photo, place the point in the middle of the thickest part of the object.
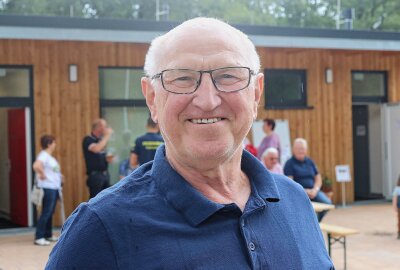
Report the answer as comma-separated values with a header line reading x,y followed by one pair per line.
x,y
200,47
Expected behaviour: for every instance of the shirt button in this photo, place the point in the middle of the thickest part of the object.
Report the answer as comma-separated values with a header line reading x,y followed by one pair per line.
x,y
242,223
252,247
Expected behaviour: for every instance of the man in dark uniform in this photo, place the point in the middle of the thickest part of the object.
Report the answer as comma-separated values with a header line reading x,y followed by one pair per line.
x,y
146,145
97,160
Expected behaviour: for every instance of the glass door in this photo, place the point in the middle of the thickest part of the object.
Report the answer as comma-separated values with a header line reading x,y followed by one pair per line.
x,y
15,146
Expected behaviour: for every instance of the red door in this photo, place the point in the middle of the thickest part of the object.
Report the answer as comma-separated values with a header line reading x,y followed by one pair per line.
x,y
18,173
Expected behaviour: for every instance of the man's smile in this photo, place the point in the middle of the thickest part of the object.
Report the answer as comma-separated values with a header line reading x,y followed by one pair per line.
x,y
205,120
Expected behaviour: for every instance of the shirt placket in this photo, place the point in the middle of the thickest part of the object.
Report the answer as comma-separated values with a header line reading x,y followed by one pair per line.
x,y
250,239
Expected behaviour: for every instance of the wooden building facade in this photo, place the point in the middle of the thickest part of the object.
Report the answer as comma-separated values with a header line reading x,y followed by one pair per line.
x,y
47,47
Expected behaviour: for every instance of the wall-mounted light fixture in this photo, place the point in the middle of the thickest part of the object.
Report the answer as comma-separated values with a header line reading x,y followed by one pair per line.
x,y
328,75
73,73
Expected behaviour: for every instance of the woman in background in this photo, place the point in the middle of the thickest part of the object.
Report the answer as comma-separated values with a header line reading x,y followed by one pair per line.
x,y
48,177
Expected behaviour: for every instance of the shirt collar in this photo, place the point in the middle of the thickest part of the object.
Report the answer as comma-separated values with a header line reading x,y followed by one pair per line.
x,y
298,160
263,184
193,205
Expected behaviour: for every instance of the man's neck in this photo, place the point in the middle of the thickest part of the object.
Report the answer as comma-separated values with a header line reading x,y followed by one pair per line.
x,y
223,184
152,130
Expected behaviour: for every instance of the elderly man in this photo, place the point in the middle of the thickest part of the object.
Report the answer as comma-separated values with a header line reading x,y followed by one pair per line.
x,y
271,160
303,170
203,203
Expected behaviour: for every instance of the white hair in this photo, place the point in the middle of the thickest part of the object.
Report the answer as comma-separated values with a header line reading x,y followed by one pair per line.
x,y
300,141
154,54
269,151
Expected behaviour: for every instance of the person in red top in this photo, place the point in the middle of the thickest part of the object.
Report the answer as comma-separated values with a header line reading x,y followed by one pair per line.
x,y
250,147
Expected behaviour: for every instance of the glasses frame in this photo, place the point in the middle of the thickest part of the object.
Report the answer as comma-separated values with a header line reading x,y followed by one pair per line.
x,y
210,71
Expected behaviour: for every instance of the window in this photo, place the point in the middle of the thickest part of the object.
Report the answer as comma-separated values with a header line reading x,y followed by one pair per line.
x,y
369,86
14,82
16,88
124,108
285,88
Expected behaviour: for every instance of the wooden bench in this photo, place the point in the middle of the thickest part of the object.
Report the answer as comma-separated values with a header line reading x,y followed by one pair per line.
x,y
337,234
319,207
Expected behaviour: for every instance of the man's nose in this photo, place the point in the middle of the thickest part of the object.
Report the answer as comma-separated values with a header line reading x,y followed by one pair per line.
x,y
206,96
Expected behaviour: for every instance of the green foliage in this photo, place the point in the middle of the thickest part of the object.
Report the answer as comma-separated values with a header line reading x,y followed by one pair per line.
x,y
326,182
369,14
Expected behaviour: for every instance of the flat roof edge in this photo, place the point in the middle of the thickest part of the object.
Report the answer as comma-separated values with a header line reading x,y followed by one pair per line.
x,y
134,36
126,24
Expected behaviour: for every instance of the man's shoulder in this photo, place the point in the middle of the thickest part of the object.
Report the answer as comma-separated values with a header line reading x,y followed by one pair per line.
x,y
309,160
289,162
286,184
88,139
151,136
292,194
140,138
133,191
158,137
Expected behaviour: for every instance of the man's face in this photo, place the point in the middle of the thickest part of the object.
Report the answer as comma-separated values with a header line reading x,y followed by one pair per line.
x,y
230,114
299,151
271,160
102,127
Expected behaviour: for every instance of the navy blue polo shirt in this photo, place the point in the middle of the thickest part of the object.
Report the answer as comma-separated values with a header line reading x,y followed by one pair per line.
x,y
146,146
303,172
154,219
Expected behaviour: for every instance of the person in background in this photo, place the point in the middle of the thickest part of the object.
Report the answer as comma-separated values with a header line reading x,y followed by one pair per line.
x,y
125,168
146,145
203,203
271,160
49,178
249,147
303,170
270,140
396,205
96,158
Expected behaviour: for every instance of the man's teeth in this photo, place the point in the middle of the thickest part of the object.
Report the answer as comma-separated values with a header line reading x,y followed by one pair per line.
x,y
205,120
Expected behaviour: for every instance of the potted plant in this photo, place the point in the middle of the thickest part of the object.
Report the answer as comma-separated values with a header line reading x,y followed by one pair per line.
x,y
327,186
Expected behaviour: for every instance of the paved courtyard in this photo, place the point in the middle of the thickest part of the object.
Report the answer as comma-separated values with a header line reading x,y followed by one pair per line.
x,y
376,247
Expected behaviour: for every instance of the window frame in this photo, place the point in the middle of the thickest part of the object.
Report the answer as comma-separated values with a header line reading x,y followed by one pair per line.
x,y
295,104
19,101
373,99
120,102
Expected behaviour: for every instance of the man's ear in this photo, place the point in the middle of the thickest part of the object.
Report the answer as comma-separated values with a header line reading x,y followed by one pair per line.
x,y
150,96
258,91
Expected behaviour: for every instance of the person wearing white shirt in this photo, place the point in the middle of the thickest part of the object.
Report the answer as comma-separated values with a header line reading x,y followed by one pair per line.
x,y
49,178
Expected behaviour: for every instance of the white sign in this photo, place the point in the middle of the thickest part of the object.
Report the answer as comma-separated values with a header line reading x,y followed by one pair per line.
x,y
343,173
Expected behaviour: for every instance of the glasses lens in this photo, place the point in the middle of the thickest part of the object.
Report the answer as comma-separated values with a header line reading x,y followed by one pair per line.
x,y
231,79
180,81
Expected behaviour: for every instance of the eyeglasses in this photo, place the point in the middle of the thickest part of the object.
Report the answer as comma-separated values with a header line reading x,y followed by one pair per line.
x,y
186,81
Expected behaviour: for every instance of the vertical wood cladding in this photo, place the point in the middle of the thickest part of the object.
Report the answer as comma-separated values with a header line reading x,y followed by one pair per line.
x,y
66,109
